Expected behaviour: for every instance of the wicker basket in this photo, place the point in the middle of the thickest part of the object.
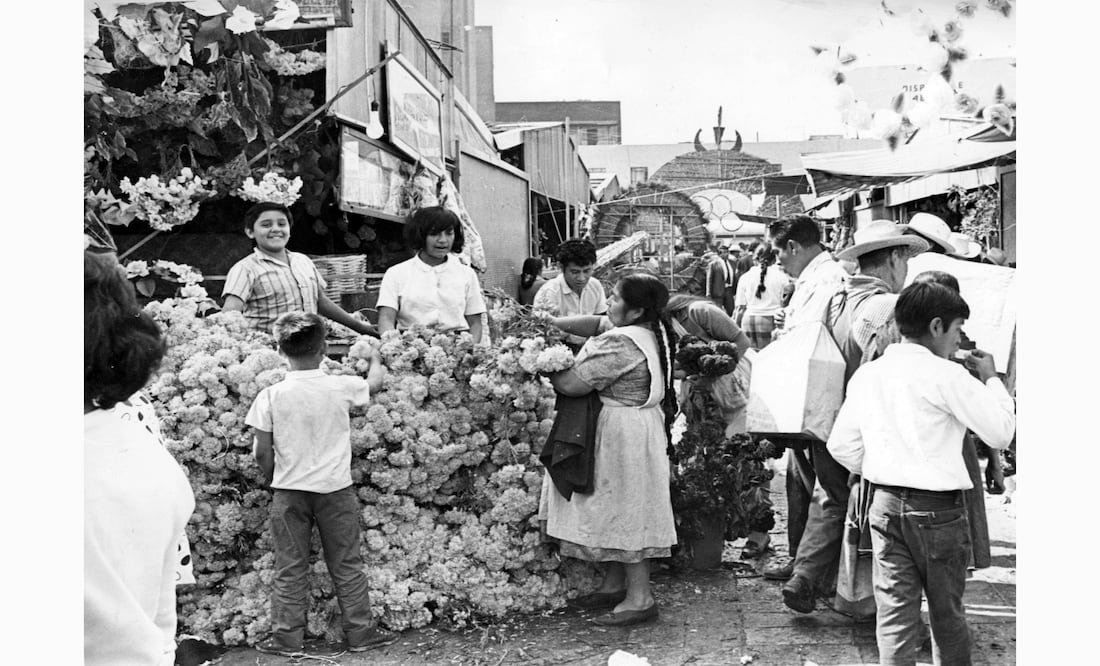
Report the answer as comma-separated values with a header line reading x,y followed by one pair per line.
x,y
343,273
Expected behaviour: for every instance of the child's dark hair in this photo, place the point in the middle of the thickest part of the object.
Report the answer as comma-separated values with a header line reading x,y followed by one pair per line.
x,y
300,333
122,344
254,213
432,220
765,256
576,251
940,277
532,267
648,293
802,229
921,302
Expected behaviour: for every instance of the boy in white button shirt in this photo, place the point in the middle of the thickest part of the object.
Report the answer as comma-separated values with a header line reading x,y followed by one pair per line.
x,y
303,446
901,427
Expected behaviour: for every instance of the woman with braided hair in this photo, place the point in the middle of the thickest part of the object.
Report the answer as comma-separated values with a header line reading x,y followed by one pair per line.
x,y
759,297
627,519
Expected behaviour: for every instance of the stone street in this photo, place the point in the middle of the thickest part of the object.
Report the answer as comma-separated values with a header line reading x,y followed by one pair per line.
x,y
729,615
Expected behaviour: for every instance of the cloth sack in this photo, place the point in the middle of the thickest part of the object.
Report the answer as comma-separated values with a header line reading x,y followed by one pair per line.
x,y
855,590
797,385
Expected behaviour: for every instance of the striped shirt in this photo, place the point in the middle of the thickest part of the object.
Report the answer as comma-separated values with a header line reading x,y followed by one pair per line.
x,y
270,287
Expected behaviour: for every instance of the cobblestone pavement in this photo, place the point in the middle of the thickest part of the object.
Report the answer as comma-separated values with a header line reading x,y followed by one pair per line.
x,y
725,616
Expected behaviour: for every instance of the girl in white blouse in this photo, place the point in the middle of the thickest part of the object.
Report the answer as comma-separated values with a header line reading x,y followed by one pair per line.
x,y
433,288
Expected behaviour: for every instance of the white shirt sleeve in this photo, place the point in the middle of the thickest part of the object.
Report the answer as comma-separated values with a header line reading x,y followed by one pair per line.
x,y
986,409
358,391
544,299
845,440
475,301
389,290
259,414
745,287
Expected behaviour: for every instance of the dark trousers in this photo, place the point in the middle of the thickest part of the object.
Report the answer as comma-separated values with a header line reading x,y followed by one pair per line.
x,y
921,542
728,299
818,485
336,514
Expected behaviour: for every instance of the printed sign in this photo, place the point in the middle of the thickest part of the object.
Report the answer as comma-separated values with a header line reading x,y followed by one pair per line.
x,y
415,114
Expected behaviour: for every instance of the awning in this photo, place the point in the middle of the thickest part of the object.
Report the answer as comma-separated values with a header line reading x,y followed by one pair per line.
x,y
786,184
833,173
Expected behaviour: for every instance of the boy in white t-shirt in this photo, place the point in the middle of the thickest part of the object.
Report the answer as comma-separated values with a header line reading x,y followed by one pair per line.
x,y
303,446
901,427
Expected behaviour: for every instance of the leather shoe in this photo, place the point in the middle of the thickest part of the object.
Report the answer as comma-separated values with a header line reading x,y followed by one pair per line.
x,y
627,618
775,571
597,600
798,594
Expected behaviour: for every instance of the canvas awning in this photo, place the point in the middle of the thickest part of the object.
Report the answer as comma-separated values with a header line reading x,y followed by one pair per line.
x,y
834,173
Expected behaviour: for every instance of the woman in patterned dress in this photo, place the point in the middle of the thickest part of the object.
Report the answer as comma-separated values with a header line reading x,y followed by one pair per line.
x,y
627,519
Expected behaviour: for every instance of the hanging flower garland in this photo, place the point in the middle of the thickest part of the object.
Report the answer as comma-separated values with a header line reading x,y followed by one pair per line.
x,y
293,63
169,203
273,187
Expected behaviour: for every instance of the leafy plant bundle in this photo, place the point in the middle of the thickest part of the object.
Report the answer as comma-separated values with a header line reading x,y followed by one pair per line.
x,y
706,359
718,478
721,478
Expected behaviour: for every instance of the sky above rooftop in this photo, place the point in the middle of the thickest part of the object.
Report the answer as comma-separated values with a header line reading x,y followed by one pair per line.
x,y
672,63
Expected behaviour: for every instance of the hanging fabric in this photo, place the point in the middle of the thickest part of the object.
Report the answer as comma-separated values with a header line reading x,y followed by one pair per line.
x,y
473,252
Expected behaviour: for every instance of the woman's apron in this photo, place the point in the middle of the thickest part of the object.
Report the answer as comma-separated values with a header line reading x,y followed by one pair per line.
x,y
630,508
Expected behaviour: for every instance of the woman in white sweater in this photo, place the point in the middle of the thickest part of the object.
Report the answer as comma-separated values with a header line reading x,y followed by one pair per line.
x,y
759,296
137,500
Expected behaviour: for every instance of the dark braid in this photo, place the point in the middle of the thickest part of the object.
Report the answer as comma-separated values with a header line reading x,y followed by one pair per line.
x,y
644,291
765,256
669,404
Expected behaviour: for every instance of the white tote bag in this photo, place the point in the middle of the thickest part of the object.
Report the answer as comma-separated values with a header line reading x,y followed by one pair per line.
x,y
797,385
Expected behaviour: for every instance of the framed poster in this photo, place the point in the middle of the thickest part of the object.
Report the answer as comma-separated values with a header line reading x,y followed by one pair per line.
x,y
415,114
371,178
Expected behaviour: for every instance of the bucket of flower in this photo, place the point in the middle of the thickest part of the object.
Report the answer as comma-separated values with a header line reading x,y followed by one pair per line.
x,y
719,484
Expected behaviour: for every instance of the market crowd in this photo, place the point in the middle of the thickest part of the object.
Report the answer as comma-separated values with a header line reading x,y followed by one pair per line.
x,y
896,476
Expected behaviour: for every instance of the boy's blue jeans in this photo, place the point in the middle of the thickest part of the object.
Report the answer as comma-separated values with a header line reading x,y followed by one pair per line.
x,y
336,514
921,542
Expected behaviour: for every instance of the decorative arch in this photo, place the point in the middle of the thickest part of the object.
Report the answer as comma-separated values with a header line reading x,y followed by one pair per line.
x,y
669,217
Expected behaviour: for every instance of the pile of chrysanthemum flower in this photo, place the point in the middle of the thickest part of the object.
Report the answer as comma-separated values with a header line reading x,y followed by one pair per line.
x,y
444,460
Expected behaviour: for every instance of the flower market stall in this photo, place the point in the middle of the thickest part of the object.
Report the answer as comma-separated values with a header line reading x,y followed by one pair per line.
x,y
444,461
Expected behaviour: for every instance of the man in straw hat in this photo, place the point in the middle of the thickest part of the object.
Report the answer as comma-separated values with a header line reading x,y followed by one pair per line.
x,y
861,318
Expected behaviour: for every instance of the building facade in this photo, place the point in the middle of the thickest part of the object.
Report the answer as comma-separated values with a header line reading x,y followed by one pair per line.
x,y
589,123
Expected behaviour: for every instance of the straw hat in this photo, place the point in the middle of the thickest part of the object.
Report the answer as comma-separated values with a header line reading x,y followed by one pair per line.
x,y
932,229
964,246
880,234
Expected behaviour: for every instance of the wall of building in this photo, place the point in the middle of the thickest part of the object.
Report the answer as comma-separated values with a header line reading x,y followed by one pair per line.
x,y
445,22
484,99
603,118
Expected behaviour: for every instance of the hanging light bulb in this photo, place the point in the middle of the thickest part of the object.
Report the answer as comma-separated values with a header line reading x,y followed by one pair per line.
x,y
374,127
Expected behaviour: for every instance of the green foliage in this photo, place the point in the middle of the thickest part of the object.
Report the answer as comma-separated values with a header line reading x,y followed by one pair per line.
x,y
980,213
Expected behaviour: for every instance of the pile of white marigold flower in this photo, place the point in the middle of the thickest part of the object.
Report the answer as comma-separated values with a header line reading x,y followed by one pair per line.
x,y
444,461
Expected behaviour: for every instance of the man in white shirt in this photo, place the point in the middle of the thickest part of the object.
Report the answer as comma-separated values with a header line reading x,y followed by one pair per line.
x,y
574,291
901,427
797,242
861,320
